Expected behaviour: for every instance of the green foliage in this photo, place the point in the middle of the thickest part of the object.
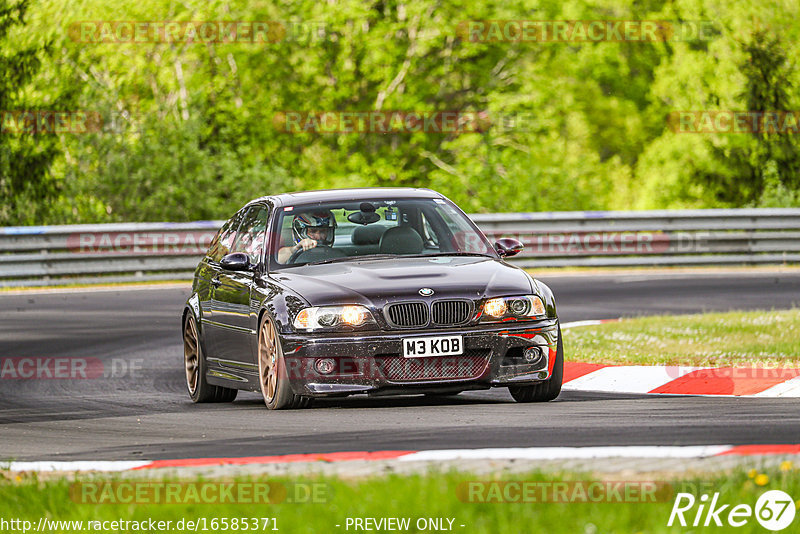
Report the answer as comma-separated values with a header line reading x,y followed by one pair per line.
x,y
769,162
748,66
499,497
26,185
189,129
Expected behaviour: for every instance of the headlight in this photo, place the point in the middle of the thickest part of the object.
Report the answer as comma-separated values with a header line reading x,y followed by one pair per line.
x,y
333,317
513,308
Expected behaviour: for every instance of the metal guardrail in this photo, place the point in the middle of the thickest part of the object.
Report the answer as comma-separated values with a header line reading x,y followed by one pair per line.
x,y
651,238
48,255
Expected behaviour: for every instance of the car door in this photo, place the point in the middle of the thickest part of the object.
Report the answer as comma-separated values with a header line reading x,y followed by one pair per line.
x,y
208,280
232,293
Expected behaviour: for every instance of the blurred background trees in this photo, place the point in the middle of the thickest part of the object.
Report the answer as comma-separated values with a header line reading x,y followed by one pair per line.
x,y
189,128
27,181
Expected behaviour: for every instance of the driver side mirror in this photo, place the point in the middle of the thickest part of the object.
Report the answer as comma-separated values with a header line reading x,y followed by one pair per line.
x,y
236,261
507,247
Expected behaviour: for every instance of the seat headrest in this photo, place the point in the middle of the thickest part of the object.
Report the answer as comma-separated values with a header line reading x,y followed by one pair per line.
x,y
368,235
401,240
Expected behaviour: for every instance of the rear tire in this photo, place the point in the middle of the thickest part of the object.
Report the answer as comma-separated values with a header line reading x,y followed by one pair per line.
x,y
195,365
273,377
544,391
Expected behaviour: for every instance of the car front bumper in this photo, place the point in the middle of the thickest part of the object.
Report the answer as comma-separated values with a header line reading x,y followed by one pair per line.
x,y
373,363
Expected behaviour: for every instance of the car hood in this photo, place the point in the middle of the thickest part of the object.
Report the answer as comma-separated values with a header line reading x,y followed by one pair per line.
x,y
374,282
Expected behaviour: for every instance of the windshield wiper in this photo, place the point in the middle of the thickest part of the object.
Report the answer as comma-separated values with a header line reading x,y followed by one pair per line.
x,y
353,258
448,254
392,256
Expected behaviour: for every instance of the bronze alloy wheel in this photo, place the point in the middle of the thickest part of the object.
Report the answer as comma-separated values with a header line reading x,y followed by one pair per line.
x,y
267,361
191,354
195,365
272,374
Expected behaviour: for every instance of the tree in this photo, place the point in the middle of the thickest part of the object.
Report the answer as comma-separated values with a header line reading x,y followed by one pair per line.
x,y
26,184
769,160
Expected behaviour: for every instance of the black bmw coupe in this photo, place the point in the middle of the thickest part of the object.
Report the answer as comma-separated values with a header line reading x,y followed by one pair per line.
x,y
373,291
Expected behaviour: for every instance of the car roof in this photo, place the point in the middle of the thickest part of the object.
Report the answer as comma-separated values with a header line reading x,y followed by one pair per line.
x,y
363,193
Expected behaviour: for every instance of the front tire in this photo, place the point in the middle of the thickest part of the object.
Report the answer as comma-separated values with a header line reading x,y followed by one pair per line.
x,y
548,390
272,374
195,364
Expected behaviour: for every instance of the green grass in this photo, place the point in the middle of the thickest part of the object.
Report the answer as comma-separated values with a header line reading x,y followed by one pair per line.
x,y
434,495
761,339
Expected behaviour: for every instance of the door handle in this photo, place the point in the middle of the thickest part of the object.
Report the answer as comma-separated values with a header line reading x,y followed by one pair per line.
x,y
216,282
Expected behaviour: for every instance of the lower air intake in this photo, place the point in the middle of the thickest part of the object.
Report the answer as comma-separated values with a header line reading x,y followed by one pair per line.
x,y
471,364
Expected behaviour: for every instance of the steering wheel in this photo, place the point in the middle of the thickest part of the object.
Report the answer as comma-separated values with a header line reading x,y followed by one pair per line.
x,y
318,253
295,255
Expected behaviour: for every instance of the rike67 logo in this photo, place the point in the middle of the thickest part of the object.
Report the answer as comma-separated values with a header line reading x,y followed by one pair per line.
x,y
774,510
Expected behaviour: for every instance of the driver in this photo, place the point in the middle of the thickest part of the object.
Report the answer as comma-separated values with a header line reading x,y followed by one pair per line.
x,y
309,230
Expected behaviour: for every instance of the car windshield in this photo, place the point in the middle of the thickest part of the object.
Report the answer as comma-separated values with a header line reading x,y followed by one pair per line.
x,y
373,229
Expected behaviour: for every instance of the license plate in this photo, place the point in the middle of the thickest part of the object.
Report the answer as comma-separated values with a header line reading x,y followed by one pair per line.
x,y
420,347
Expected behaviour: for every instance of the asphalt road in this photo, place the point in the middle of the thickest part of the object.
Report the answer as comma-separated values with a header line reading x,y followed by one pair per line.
x,y
142,411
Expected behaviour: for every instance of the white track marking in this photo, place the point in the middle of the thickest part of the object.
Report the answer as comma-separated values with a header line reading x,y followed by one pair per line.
x,y
790,388
568,453
74,466
575,324
527,453
628,379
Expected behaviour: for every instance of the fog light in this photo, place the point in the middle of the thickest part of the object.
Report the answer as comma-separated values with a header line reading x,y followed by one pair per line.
x,y
325,366
533,355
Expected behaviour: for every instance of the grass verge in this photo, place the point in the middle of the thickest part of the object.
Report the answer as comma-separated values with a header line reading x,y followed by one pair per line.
x,y
766,339
447,496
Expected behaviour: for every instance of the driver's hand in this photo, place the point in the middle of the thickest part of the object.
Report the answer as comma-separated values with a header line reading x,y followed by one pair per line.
x,y
305,244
